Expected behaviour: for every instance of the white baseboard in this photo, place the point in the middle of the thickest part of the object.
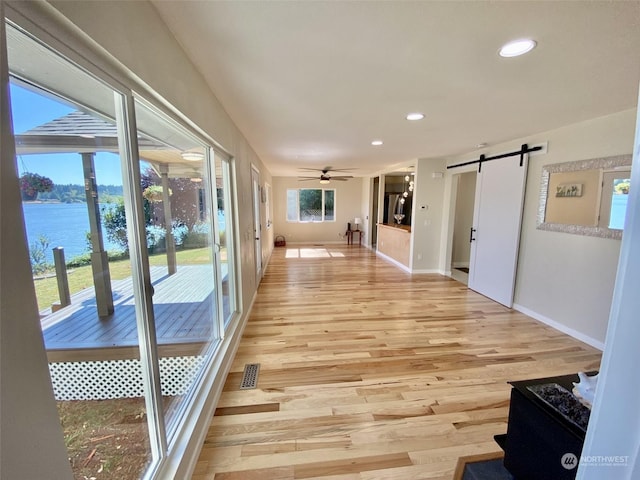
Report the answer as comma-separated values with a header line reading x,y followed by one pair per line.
x,y
395,262
559,326
428,270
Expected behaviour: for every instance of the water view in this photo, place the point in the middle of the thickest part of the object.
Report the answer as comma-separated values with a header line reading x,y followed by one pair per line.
x,y
63,224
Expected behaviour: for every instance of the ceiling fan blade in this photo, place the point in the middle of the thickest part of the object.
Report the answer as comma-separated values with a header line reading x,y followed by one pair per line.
x,y
342,177
326,169
307,179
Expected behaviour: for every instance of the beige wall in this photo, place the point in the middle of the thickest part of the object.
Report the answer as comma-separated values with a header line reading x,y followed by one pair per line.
x,y
348,205
565,279
427,214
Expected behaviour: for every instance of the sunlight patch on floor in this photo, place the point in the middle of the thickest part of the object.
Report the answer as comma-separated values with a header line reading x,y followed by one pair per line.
x,y
311,253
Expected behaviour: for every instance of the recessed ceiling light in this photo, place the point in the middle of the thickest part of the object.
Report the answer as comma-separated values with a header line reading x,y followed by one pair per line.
x,y
376,143
517,47
415,116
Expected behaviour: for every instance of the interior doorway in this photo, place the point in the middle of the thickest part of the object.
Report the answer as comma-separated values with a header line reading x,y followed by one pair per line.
x,y
465,187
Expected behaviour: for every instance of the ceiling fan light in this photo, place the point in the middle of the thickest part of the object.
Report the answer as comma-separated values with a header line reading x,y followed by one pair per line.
x,y
324,181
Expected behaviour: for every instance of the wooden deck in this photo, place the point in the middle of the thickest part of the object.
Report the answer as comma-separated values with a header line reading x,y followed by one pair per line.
x,y
367,372
183,306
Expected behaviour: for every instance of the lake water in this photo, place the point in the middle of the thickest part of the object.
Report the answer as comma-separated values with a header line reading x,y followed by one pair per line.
x,y
64,224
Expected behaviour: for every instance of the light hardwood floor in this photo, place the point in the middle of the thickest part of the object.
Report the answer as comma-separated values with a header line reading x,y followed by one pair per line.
x,y
368,372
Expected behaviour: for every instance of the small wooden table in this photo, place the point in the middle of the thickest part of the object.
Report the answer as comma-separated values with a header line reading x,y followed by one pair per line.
x,y
350,236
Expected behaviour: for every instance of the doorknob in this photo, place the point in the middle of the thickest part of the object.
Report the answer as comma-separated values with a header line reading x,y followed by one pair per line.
x,y
471,238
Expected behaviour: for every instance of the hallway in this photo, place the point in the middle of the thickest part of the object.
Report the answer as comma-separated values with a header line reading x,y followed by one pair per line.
x,y
367,372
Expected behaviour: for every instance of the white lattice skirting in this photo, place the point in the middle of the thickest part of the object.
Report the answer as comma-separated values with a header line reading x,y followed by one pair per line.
x,y
102,380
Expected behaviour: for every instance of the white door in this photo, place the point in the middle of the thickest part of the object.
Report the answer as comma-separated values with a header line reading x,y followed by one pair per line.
x,y
257,227
495,237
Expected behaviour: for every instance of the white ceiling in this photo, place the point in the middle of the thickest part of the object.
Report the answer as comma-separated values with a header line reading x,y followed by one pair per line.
x,y
312,83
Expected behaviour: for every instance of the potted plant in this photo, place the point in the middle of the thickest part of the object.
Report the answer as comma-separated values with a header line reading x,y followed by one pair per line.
x,y
31,184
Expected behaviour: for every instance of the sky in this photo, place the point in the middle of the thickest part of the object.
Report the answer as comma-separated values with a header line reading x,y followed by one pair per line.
x,y
30,110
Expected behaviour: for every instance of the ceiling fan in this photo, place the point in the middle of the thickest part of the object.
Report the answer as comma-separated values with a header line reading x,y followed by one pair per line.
x,y
325,175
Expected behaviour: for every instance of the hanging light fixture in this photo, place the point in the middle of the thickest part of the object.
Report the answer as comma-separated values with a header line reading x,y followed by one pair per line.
x,y
408,186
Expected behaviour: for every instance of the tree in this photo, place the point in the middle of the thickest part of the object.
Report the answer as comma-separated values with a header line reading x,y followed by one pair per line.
x,y
115,222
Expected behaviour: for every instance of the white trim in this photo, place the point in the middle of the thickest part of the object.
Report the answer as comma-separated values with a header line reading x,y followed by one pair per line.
x,y
560,327
395,262
184,451
427,271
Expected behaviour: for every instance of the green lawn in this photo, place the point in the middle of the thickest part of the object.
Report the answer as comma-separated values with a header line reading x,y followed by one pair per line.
x,y
82,277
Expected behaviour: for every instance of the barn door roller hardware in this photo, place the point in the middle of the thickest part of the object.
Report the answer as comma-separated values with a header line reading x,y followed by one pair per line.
x,y
523,149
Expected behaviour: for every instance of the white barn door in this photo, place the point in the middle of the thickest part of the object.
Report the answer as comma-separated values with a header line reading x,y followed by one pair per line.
x,y
495,237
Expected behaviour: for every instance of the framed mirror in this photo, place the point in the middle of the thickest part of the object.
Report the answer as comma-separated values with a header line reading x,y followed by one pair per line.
x,y
585,197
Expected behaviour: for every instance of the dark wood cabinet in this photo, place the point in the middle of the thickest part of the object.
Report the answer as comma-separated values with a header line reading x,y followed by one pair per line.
x,y
541,443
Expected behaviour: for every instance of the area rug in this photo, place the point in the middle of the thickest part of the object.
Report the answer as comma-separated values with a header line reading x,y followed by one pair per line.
x,y
486,466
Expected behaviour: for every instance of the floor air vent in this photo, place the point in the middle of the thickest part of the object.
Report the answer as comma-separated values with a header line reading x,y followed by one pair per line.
x,y
250,376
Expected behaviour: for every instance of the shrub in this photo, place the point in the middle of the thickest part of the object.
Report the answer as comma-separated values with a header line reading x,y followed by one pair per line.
x,y
115,222
38,254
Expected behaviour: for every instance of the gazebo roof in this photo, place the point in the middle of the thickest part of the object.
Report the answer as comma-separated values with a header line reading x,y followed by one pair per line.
x,y
76,123
81,132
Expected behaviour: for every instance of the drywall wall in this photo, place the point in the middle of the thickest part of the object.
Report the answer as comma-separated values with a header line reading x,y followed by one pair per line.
x,y
566,279
348,206
427,214
465,197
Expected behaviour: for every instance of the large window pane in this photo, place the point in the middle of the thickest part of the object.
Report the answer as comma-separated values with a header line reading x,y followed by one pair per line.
x,y
225,237
177,193
70,168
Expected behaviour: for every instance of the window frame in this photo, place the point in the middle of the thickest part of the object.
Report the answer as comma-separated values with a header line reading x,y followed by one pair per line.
x,y
322,206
